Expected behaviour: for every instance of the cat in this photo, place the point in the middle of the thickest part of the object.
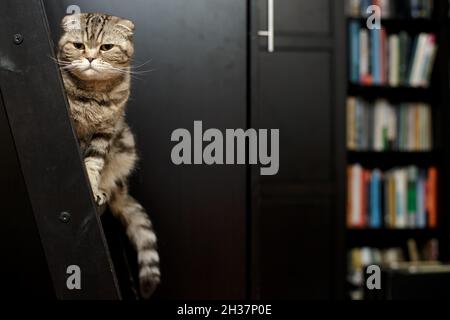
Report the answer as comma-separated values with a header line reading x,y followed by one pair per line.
x,y
94,54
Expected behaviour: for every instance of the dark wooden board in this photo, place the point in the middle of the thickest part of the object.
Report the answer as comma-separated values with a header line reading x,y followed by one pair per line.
x,y
48,153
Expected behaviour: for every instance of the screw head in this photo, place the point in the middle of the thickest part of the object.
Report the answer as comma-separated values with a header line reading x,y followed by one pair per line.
x,y
18,38
64,217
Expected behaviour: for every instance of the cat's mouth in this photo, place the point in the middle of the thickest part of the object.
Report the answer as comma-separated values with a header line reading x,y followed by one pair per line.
x,y
90,68
90,71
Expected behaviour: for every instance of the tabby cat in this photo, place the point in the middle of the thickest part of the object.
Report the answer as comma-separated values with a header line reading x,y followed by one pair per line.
x,y
94,55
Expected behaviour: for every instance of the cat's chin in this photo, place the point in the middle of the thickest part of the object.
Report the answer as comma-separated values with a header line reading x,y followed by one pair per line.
x,y
93,75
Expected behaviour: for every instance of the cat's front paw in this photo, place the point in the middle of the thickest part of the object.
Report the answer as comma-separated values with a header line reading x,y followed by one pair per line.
x,y
100,197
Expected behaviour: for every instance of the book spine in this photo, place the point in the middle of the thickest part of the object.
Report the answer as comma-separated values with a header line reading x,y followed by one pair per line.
x,y
376,57
384,56
350,196
412,197
431,56
432,197
364,74
375,213
421,220
354,51
419,60
394,61
411,60
351,137
404,43
356,199
392,202
377,145
363,199
400,197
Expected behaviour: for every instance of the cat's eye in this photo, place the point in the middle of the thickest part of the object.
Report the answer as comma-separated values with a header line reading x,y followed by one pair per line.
x,y
106,47
78,45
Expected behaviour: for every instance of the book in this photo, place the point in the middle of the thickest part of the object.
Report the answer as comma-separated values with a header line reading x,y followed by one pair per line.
x,y
365,192
399,198
351,121
391,199
421,218
356,219
379,125
427,65
365,77
404,56
431,197
412,196
381,58
375,200
354,51
418,60
384,54
350,194
352,8
394,60
382,126
376,56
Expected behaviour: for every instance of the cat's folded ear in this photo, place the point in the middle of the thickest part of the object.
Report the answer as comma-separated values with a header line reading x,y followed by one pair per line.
x,y
71,22
125,26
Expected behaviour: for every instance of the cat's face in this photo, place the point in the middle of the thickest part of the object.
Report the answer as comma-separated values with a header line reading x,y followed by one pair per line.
x,y
96,46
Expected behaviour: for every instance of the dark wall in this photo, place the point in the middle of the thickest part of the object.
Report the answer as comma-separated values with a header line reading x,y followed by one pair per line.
x,y
197,50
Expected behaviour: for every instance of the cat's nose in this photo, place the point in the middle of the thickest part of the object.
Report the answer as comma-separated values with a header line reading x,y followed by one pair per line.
x,y
90,59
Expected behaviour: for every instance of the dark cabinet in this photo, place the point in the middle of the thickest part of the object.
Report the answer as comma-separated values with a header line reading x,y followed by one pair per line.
x,y
294,89
295,250
296,17
295,97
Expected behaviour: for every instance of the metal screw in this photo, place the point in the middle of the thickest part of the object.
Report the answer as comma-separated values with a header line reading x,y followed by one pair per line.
x,y
64,217
18,38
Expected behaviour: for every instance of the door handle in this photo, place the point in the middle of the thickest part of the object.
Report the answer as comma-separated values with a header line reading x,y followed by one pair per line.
x,y
269,33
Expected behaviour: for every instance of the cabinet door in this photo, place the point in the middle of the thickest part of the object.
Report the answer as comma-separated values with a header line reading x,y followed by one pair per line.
x,y
297,89
295,249
197,50
295,97
297,17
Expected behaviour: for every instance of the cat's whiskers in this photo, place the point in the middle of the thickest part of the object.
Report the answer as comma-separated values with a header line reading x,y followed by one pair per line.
x,y
60,62
142,64
118,70
138,72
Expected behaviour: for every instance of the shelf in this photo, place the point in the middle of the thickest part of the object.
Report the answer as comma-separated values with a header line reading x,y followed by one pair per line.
x,y
388,159
388,237
407,24
404,231
400,93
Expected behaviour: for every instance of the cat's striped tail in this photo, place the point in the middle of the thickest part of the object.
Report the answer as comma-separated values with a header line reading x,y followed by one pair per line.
x,y
140,231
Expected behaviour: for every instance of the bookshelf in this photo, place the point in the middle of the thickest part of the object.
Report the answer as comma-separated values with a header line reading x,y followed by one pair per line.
x,y
385,238
387,159
400,93
436,96
412,24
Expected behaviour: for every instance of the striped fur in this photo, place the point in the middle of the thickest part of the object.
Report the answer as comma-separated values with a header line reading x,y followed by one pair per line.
x,y
95,53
